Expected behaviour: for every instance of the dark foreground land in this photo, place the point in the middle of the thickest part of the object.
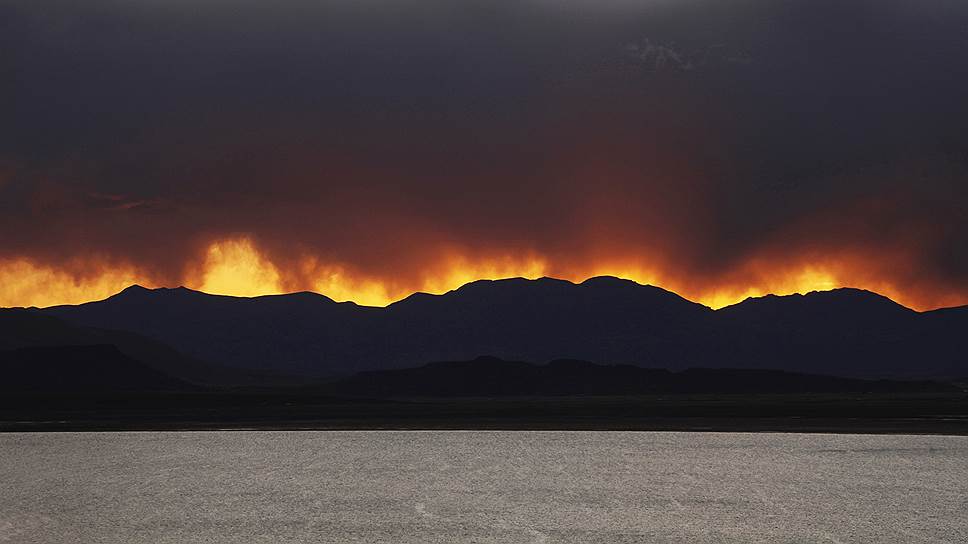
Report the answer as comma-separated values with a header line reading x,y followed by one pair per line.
x,y
914,413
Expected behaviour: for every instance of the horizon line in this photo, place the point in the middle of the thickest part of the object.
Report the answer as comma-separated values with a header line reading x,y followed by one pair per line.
x,y
509,278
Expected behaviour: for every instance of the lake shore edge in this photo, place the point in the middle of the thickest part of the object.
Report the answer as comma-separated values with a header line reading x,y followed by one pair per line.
x,y
939,427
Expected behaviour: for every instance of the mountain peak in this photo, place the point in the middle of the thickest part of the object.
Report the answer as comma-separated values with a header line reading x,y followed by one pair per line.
x,y
838,309
133,290
139,291
478,287
838,297
544,280
611,281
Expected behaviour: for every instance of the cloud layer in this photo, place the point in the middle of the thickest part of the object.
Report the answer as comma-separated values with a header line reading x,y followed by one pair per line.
x,y
370,149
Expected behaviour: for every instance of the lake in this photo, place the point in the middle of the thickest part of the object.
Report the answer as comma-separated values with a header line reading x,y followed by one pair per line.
x,y
453,486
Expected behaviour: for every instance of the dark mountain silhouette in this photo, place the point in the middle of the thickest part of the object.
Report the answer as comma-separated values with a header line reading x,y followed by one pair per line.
x,y
300,333
846,332
493,377
602,319
84,370
27,329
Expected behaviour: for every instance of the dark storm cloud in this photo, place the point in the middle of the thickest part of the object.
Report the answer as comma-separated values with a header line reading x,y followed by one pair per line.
x,y
696,133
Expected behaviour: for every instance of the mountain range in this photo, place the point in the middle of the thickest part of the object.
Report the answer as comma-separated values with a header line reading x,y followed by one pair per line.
x,y
213,339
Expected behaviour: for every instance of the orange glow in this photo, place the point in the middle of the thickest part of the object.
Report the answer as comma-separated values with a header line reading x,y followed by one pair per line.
x,y
341,285
237,267
808,279
797,280
458,271
25,283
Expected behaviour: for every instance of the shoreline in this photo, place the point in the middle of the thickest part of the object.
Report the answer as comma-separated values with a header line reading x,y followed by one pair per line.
x,y
906,426
875,413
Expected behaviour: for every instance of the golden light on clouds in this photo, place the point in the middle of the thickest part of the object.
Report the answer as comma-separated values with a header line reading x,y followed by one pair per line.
x,y
236,267
25,283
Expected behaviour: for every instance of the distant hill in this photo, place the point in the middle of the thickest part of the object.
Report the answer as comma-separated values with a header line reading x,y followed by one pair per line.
x,y
300,333
845,332
79,370
492,377
46,336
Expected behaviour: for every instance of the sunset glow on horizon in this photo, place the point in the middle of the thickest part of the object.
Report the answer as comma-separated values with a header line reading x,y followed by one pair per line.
x,y
717,152
236,267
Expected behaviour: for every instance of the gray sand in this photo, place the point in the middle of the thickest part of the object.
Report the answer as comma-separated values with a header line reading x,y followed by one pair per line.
x,y
402,487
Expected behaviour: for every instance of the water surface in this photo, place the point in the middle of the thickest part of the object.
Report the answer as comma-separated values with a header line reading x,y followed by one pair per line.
x,y
409,487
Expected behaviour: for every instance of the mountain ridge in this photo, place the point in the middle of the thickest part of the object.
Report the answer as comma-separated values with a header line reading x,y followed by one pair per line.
x,y
604,319
614,280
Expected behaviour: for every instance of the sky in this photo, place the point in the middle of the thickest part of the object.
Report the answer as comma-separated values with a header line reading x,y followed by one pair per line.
x,y
369,149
